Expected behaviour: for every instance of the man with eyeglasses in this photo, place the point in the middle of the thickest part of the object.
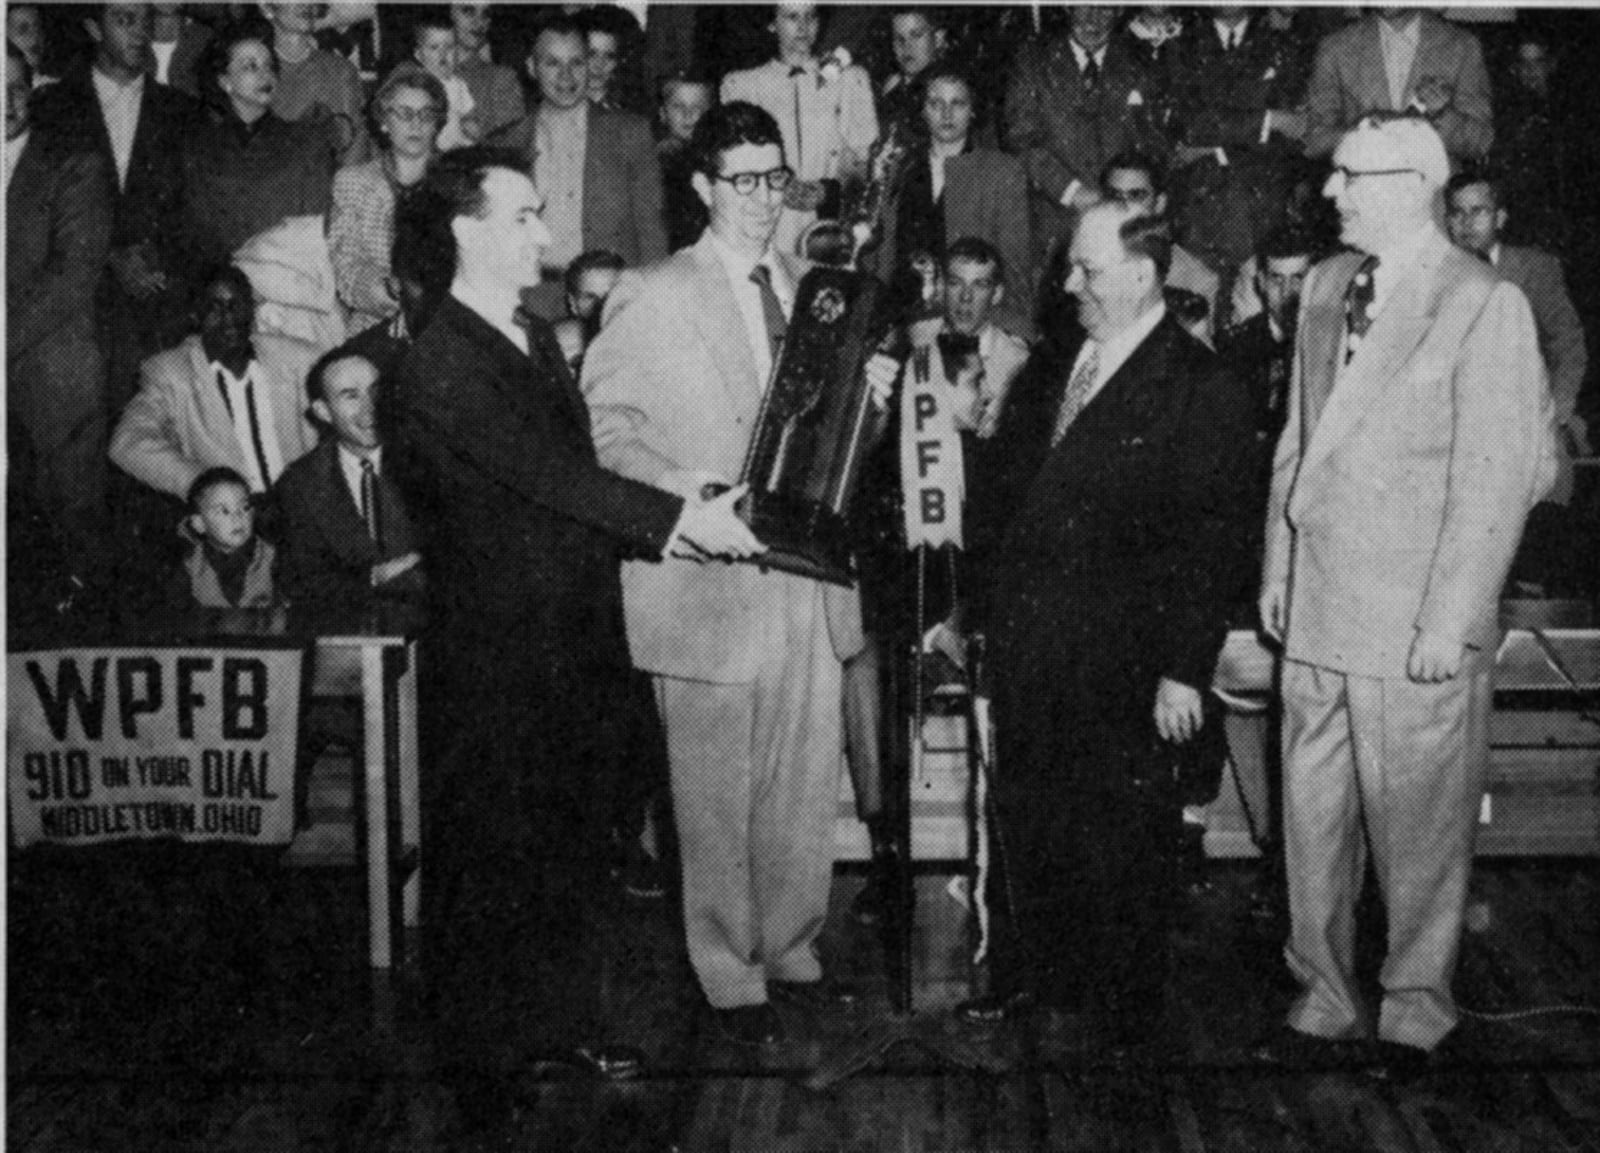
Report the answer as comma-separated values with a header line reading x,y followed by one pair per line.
x,y
1419,434
747,664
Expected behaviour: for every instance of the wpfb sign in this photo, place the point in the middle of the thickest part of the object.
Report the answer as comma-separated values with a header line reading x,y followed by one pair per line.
x,y
128,744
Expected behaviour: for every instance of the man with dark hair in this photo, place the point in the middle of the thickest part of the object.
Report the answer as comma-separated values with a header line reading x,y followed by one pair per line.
x,y
1261,349
1475,215
496,88
1074,101
347,538
588,281
1537,141
1138,182
918,37
58,231
747,663
596,168
490,441
138,127
1109,536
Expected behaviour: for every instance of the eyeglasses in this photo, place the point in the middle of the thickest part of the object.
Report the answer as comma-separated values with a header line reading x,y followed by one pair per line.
x,y
745,183
1349,175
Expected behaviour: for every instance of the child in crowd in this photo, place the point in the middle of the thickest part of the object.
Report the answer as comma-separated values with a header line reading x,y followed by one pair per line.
x,y
229,566
434,47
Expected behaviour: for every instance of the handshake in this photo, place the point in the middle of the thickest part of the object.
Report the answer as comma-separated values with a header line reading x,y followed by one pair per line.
x,y
708,526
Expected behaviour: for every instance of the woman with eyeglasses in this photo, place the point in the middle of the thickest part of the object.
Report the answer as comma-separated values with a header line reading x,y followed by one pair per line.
x,y
407,113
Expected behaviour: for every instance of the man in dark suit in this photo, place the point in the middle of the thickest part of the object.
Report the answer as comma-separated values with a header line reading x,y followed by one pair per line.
x,y
596,168
1111,513
58,231
526,648
1075,101
1260,350
347,538
137,126
1233,87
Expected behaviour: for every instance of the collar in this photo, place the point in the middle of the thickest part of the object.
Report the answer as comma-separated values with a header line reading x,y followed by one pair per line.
x,y
1114,352
1082,54
495,308
351,459
1405,29
937,151
14,147
220,369
111,86
563,115
245,131
1394,260
1239,26
740,265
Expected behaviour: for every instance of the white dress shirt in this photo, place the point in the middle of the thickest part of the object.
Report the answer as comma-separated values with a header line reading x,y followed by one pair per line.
x,y
748,297
119,107
164,50
1114,353
239,406
1399,53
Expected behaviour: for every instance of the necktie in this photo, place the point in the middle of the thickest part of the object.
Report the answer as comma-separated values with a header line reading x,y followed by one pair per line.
x,y
1358,300
956,350
771,308
371,511
1091,71
797,75
256,442
1077,394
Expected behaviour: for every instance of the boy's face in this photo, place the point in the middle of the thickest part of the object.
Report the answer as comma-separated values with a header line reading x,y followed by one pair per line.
x,y
971,291
349,390
436,51
683,107
226,517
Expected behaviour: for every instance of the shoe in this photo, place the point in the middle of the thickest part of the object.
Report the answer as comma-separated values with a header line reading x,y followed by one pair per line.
x,y
1288,1048
994,1009
825,995
612,1062
749,1024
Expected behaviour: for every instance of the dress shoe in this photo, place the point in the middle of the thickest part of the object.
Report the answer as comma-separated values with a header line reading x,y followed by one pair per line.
x,y
994,1009
749,1024
1290,1049
826,995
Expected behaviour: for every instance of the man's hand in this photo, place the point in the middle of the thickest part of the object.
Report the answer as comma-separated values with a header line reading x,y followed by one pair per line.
x,y
712,528
1272,607
1434,96
882,371
1178,713
690,483
1434,658
388,570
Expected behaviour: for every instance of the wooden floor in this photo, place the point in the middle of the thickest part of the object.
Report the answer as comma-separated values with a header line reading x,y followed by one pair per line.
x,y
191,1061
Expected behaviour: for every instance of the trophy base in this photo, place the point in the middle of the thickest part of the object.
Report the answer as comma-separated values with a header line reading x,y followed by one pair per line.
x,y
801,538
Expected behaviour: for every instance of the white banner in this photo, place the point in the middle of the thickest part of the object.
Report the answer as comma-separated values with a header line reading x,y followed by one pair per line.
x,y
932,474
110,745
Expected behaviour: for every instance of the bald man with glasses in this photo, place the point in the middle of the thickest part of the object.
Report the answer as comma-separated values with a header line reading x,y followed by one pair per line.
x,y
1419,435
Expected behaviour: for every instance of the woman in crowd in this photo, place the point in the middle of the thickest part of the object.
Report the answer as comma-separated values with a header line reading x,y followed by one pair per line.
x,y
246,170
407,111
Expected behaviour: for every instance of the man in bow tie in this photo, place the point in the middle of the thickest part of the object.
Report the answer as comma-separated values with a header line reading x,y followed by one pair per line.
x,y
1419,434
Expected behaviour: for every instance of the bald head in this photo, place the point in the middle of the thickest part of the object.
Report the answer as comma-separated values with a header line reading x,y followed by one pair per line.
x,y
1115,285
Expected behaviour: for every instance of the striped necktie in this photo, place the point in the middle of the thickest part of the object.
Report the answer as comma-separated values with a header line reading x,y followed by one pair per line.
x,y
1076,398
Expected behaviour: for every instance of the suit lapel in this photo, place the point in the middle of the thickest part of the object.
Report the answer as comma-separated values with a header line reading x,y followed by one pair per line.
x,y
1394,336
721,326
215,423
1118,396
341,515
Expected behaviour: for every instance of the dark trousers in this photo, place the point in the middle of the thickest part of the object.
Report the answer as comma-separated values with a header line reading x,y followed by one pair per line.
x,y
1088,815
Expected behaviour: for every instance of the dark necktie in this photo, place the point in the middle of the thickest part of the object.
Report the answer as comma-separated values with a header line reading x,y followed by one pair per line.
x,y
1358,300
771,308
371,507
256,442
796,74
1091,71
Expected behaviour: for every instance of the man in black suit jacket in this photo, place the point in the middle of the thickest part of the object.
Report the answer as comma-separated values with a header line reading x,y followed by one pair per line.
x,y
348,540
137,126
526,647
1112,514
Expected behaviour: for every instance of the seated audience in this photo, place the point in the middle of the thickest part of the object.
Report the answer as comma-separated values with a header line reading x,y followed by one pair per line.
x,y
58,225
407,111
433,46
138,127
246,170
347,539
1401,60
496,89
952,187
919,40
685,98
1138,182
222,397
314,83
228,565
825,112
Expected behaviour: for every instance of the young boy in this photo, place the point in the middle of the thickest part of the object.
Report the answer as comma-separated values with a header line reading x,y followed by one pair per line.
x,y
229,566
434,47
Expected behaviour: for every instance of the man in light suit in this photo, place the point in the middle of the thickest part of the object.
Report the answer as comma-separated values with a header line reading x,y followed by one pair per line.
x,y
222,397
1401,60
746,663
58,232
596,168
1418,436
